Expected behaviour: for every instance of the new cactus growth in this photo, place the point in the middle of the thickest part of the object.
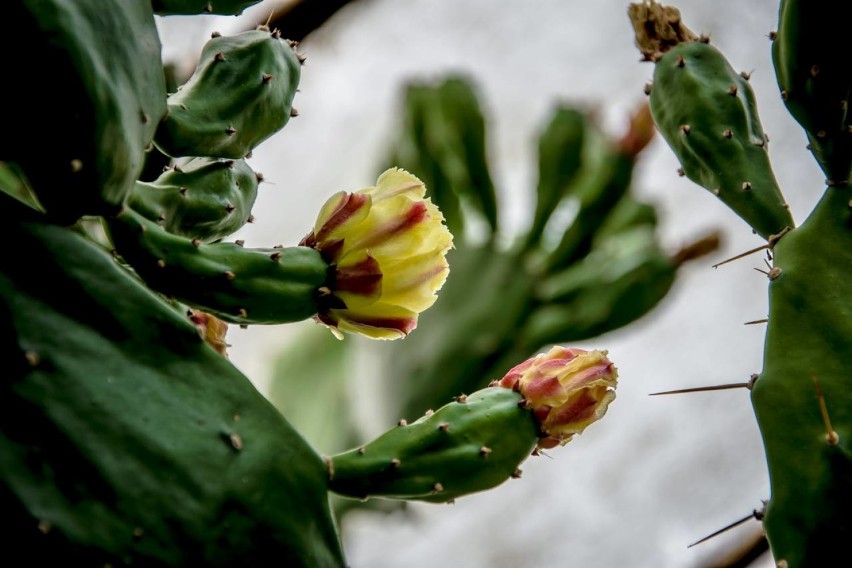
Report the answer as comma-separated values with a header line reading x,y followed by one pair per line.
x,y
239,95
802,397
707,113
204,199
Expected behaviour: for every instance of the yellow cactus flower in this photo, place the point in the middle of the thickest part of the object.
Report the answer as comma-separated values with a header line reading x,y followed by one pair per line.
x,y
566,389
387,248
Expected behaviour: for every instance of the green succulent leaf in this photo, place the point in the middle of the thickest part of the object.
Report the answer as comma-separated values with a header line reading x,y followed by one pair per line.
x,y
125,438
105,54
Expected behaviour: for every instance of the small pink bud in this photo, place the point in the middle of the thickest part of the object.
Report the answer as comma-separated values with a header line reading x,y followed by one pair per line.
x,y
566,389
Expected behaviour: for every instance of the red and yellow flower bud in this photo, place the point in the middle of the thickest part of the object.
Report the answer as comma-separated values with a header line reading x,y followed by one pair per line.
x,y
387,248
566,389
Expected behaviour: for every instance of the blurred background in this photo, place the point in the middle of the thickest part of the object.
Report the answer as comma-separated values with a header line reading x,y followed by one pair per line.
x,y
658,473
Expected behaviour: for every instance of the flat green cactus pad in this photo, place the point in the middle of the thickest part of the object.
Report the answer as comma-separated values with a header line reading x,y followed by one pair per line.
x,y
124,438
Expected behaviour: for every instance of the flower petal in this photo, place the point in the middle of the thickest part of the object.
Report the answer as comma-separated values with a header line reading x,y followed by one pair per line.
x,y
377,321
395,182
342,212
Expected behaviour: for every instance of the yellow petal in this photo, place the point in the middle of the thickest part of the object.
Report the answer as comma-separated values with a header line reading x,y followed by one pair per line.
x,y
378,321
341,214
395,182
412,282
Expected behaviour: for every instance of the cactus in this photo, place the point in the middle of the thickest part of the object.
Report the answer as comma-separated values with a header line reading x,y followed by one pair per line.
x,y
801,398
713,128
127,436
126,439
815,82
237,284
469,445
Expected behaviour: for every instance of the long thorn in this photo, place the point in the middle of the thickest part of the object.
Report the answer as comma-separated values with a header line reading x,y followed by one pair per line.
x,y
753,515
752,322
831,436
747,385
742,255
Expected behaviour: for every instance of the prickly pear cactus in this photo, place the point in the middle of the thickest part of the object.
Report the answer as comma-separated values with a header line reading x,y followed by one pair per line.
x,y
126,436
479,441
802,397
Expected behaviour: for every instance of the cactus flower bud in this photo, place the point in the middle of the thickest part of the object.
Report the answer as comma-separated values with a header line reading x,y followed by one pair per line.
x,y
566,389
211,329
387,246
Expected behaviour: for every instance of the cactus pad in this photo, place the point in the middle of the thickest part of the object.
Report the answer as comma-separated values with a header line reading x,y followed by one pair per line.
x,y
204,199
124,438
240,94
706,111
